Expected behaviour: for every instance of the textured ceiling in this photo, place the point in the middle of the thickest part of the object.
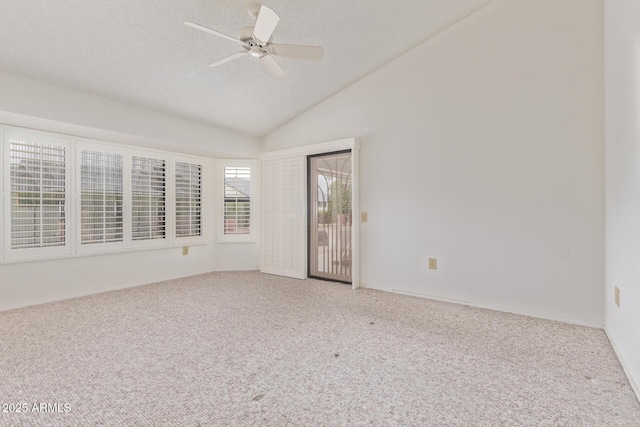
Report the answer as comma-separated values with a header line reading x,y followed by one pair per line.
x,y
139,51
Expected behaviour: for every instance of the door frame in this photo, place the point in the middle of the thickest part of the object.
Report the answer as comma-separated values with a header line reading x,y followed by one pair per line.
x,y
352,144
310,214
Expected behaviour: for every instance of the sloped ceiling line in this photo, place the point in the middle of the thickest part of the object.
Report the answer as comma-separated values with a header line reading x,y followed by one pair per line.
x,y
141,53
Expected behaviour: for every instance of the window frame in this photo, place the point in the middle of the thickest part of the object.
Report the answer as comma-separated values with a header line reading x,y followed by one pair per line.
x,y
99,247
73,246
169,224
188,240
8,253
250,237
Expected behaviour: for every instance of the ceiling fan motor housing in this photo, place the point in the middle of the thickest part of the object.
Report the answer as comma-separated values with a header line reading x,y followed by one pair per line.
x,y
257,41
246,36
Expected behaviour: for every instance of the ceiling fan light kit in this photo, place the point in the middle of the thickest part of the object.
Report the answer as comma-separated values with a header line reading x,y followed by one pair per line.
x,y
257,42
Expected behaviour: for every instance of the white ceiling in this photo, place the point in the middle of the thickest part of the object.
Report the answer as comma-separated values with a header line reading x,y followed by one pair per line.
x,y
139,51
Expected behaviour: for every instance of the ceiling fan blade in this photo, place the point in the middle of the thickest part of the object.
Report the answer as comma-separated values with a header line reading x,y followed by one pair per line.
x,y
210,31
271,66
295,51
265,24
229,59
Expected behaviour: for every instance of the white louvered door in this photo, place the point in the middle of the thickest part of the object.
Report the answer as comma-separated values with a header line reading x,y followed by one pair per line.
x,y
283,243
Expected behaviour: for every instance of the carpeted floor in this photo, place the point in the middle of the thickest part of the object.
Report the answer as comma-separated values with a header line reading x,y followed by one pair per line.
x,y
245,349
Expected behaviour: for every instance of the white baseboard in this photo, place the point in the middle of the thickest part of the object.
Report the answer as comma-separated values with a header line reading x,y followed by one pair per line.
x,y
495,308
86,294
634,386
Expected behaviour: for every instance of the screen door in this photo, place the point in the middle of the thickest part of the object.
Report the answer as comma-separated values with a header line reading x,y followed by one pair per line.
x,y
330,216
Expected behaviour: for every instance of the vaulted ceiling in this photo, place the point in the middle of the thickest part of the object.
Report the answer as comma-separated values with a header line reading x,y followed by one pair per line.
x,y
140,52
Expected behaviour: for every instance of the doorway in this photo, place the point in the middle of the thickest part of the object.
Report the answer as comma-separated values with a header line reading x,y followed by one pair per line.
x,y
330,216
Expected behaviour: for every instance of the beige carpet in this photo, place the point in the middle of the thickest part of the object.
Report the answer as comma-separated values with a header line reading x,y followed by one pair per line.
x,y
244,349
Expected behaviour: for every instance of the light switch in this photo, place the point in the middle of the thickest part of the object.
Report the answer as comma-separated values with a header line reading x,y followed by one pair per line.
x,y
363,217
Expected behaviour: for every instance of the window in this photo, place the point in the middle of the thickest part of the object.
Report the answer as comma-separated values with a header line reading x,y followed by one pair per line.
x,y
101,197
188,185
124,197
37,186
237,200
237,212
148,198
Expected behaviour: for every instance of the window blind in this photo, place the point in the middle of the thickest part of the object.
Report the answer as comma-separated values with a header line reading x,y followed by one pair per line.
x,y
148,204
237,200
188,190
38,200
66,196
101,188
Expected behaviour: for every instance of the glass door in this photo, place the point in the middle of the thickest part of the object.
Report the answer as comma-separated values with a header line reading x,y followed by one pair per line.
x,y
330,216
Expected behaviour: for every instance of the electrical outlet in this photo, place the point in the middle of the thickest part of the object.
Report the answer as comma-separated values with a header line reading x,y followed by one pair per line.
x,y
185,250
433,263
363,217
617,295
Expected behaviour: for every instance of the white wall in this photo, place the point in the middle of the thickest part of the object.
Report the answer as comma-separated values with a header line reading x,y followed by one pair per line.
x,y
483,148
29,103
24,100
622,118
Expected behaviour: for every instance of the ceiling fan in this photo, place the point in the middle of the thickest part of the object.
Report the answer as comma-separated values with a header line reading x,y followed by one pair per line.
x,y
257,42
